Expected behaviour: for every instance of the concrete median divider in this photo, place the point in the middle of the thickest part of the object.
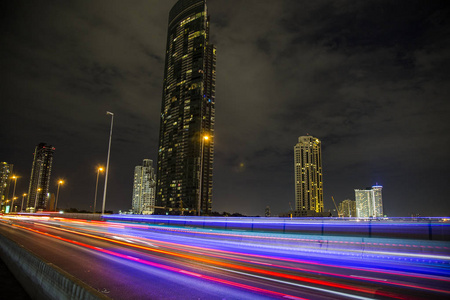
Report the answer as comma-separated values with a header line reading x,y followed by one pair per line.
x,y
41,279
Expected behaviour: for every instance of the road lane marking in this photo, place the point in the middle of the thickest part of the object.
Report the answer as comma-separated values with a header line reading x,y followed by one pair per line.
x,y
295,284
367,277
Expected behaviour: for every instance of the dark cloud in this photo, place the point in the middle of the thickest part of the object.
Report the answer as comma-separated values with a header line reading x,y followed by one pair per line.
x,y
369,78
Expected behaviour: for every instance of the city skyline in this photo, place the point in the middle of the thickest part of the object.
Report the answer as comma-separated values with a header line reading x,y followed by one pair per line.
x,y
40,179
308,175
368,79
186,139
144,185
347,208
369,202
6,172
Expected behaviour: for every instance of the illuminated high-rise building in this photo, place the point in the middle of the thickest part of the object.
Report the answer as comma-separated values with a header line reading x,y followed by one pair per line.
x,y
5,181
41,170
369,202
308,175
144,188
347,208
186,140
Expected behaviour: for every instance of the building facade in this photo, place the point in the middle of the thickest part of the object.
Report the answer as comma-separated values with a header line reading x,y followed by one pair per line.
x,y
347,208
41,170
308,175
6,171
143,202
369,202
186,139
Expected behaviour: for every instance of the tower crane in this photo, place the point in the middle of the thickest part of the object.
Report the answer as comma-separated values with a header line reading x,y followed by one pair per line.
x,y
292,210
340,214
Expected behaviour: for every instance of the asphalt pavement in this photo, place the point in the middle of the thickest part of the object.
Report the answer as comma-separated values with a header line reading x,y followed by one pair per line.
x,y
136,261
10,288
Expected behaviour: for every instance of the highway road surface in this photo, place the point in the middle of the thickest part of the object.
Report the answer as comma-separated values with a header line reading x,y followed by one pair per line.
x,y
143,261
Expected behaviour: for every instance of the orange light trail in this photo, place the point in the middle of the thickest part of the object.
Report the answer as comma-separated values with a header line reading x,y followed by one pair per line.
x,y
176,247
173,269
238,267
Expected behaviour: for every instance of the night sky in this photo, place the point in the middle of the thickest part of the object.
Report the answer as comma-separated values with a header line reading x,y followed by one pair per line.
x,y
370,79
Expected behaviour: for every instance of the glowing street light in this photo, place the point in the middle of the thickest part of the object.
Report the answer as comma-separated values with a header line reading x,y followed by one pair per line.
x,y
99,169
107,161
204,139
14,191
57,194
21,206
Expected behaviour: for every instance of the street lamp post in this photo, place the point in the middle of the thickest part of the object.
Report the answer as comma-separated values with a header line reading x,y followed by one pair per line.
x,y
204,138
57,194
21,206
14,192
12,206
99,169
36,200
38,183
107,161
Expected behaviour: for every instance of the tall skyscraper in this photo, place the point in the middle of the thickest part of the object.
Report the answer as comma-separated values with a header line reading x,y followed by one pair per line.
x,y
41,170
369,202
347,208
144,188
186,139
308,175
5,181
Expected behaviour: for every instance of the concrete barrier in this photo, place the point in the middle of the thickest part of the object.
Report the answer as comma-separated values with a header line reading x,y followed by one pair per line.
x,y
41,279
431,229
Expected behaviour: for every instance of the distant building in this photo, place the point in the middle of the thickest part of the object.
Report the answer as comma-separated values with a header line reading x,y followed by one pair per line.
x,y
185,156
369,202
267,212
41,170
144,189
305,214
5,181
347,208
308,176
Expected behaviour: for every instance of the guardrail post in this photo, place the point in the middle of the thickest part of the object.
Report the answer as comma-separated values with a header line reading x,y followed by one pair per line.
x,y
430,231
322,227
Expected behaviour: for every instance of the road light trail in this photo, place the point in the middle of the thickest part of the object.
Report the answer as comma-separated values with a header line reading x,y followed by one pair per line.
x,y
392,272
265,272
161,266
276,272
